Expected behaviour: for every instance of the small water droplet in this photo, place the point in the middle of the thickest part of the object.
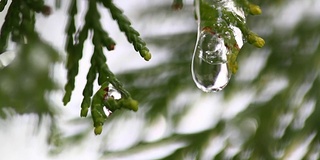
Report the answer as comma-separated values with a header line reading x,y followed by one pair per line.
x,y
107,111
227,35
113,93
209,64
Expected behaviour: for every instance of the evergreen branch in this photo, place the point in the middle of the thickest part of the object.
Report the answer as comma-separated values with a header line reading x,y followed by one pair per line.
x,y
3,4
218,21
27,25
10,24
20,22
88,90
74,51
125,26
106,75
36,5
107,41
97,112
238,21
126,101
210,16
101,98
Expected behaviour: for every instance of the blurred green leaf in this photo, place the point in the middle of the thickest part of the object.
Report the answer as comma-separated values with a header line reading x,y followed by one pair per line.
x,y
26,82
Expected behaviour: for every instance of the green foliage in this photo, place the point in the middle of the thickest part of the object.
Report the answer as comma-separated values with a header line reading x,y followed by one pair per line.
x,y
280,117
19,25
19,89
3,4
215,17
100,40
125,26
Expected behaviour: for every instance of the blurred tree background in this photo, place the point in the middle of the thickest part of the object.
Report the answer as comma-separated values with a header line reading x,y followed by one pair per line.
x,y
269,110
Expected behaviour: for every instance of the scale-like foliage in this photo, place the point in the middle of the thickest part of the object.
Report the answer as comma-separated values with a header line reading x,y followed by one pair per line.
x,y
280,118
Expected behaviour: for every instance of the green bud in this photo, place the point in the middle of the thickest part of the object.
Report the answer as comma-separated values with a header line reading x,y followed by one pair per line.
x,y
255,40
232,62
66,97
146,55
98,130
259,42
254,9
108,42
234,68
84,112
129,104
251,38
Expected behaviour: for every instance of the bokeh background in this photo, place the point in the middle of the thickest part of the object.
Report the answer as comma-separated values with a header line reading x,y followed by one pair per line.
x,y
269,110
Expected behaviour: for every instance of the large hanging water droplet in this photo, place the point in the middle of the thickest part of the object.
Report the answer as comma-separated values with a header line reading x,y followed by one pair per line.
x,y
218,43
209,63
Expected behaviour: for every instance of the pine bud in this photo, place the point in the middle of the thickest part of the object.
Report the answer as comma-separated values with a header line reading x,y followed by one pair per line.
x,y
111,47
254,9
98,130
84,112
108,42
255,40
129,104
259,42
146,55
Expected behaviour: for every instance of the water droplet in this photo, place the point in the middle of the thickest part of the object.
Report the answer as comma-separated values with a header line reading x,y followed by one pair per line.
x,y
209,64
113,93
227,35
218,44
107,111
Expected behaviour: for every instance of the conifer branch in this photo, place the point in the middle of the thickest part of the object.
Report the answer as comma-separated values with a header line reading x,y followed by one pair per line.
x,y
10,24
3,4
74,51
124,24
74,48
20,26
20,21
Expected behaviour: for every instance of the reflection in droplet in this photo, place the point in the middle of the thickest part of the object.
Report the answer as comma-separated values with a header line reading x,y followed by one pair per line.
x,y
218,44
209,63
